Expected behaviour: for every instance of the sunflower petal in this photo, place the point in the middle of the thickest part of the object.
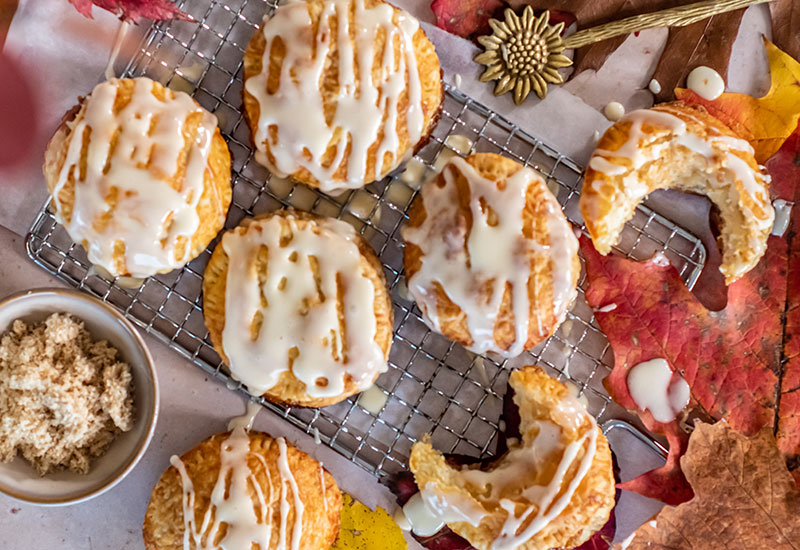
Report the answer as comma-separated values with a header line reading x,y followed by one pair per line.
x,y
512,21
552,75
490,42
558,60
539,85
521,90
542,22
488,57
505,84
527,18
555,30
493,72
500,29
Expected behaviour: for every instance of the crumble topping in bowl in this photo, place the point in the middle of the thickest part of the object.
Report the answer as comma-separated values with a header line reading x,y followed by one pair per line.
x,y
63,396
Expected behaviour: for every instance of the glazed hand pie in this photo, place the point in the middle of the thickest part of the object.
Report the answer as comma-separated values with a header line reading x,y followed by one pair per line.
x,y
489,257
553,489
339,92
240,489
140,176
297,307
680,147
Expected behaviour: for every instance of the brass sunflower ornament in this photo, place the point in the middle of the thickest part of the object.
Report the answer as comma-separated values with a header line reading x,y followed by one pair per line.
x,y
523,53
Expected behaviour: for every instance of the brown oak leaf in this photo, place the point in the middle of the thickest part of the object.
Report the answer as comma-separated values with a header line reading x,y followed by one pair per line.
x,y
745,499
786,25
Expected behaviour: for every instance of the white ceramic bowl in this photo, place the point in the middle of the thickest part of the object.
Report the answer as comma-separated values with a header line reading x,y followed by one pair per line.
x,y
17,478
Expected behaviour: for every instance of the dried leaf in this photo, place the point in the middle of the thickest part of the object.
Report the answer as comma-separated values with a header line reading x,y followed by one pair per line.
x,y
132,10
744,497
365,529
785,23
466,18
766,121
729,358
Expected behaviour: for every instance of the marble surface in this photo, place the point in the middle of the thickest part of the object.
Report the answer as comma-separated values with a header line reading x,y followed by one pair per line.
x,y
64,55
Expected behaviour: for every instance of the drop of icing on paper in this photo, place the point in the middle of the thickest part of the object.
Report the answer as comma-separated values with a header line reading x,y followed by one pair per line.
x,y
783,211
614,111
705,82
414,173
654,86
479,366
420,518
457,80
372,399
653,387
460,144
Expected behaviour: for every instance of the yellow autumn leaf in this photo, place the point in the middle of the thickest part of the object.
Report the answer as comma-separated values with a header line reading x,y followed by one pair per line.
x,y
766,122
365,529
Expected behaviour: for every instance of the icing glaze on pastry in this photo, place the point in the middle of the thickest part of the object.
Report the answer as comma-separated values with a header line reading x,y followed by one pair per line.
x,y
675,146
491,254
308,307
550,490
231,501
140,185
292,118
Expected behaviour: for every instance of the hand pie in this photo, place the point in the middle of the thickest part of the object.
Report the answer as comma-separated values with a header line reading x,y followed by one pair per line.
x,y
140,177
674,146
297,306
239,489
553,489
328,103
489,257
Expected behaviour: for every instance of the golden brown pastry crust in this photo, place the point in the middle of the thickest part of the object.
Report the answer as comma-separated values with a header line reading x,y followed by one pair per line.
x,y
163,522
290,390
215,199
431,87
452,320
614,186
538,397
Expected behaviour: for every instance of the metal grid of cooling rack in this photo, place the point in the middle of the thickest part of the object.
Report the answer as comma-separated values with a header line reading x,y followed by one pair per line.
x,y
432,385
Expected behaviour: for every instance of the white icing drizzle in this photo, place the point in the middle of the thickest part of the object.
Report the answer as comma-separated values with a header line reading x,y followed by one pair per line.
x,y
627,542
540,504
231,502
150,216
654,86
119,38
706,82
462,262
298,307
450,506
655,388
295,109
246,420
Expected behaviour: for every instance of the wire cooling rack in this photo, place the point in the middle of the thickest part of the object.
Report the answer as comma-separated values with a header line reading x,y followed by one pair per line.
x,y
432,385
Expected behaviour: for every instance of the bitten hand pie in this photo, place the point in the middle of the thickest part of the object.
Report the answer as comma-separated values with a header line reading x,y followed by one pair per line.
x,y
679,147
240,489
297,306
553,489
328,103
489,257
140,177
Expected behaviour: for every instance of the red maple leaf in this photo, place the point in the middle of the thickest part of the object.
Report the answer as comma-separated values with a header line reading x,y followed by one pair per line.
x,y
132,10
742,364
